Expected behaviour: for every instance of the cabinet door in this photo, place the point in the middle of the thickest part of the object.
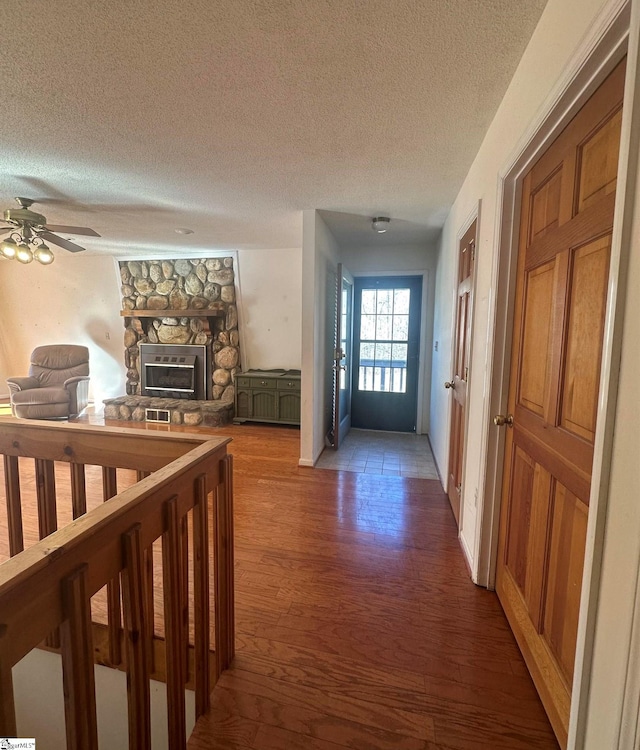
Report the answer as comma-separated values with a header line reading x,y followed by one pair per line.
x,y
289,407
243,404
264,405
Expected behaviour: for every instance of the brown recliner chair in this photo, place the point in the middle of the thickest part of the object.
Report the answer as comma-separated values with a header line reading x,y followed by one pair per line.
x,y
57,385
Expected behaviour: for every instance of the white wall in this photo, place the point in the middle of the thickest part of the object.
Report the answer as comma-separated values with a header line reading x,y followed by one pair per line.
x,y
74,301
320,252
416,260
561,28
271,313
39,698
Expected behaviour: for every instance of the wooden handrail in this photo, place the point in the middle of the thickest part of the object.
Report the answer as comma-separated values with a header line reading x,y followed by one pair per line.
x,y
48,586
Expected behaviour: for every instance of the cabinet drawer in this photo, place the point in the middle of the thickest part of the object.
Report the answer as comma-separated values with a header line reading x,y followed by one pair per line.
x,y
288,384
256,383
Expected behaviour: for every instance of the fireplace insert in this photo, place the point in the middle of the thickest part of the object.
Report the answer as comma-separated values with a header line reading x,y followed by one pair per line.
x,y
175,371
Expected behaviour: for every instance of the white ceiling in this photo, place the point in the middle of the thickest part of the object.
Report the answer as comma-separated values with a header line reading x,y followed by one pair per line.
x,y
230,117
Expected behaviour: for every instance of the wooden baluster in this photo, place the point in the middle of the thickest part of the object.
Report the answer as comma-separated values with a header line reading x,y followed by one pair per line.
x,y
149,618
138,692
172,581
114,615
231,639
148,588
77,664
223,585
78,490
201,595
46,495
14,504
7,705
47,516
184,568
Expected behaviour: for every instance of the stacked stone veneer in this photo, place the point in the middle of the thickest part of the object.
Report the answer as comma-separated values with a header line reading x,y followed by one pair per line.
x,y
179,286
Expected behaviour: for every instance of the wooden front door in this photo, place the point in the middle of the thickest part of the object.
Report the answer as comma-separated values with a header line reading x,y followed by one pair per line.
x,y
562,274
458,384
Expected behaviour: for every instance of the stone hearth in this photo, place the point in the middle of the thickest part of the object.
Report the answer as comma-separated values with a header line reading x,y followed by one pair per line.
x,y
182,411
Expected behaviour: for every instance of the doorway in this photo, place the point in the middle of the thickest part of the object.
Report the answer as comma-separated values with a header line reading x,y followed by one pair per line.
x,y
386,343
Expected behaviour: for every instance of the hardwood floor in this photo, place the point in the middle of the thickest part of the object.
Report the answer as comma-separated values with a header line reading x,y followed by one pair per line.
x,y
357,624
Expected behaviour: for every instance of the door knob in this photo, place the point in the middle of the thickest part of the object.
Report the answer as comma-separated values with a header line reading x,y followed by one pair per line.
x,y
500,420
449,384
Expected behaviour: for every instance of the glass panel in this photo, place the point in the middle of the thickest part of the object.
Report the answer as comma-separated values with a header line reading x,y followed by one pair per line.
x,y
385,298
400,327
385,320
365,379
381,379
383,355
368,327
383,327
367,354
368,305
401,301
399,355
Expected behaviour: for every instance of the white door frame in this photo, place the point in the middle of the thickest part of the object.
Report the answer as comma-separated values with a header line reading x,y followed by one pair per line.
x,y
605,44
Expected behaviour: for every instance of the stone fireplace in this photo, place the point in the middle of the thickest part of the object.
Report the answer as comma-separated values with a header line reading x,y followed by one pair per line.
x,y
185,302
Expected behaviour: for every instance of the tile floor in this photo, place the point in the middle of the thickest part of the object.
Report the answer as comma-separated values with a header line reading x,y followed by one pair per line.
x,y
390,453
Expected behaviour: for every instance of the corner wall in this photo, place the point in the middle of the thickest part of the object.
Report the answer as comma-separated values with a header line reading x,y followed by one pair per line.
x,y
320,254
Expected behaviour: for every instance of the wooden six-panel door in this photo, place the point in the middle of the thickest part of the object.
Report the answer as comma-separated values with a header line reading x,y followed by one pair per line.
x,y
458,383
563,264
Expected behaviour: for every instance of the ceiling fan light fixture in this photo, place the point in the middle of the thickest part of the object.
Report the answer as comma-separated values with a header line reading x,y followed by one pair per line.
x,y
8,248
380,224
44,255
24,254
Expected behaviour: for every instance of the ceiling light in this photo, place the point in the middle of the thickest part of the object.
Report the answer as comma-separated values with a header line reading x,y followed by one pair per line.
x,y
8,248
24,254
380,224
43,255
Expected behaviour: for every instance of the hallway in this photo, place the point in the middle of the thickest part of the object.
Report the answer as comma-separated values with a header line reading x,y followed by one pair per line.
x,y
357,624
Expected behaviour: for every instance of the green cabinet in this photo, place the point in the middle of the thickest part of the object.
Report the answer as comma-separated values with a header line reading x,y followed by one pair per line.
x,y
268,396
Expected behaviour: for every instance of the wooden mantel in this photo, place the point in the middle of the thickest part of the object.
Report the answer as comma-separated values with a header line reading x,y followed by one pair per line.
x,y
211,312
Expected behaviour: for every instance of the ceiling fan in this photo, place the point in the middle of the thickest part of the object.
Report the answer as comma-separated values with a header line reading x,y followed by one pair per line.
x,y
28,232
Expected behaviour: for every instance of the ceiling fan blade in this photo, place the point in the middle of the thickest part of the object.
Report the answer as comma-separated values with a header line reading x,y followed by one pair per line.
x,y
72,230
61,242
4,230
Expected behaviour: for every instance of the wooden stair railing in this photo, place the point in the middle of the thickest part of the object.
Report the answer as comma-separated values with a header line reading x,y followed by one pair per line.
x,y
46,589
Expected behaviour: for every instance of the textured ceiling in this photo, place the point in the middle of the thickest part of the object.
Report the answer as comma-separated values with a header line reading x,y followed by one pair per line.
x,y
230,117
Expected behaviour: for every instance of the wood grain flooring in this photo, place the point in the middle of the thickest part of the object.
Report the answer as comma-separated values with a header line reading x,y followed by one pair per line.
x,y
357,624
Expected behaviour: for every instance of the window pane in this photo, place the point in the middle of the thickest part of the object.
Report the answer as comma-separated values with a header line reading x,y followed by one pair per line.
x,y
399,355
368,327
400,327
383,327
385,297
365,379
381,379
368,305
367,354
401,301
383,355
